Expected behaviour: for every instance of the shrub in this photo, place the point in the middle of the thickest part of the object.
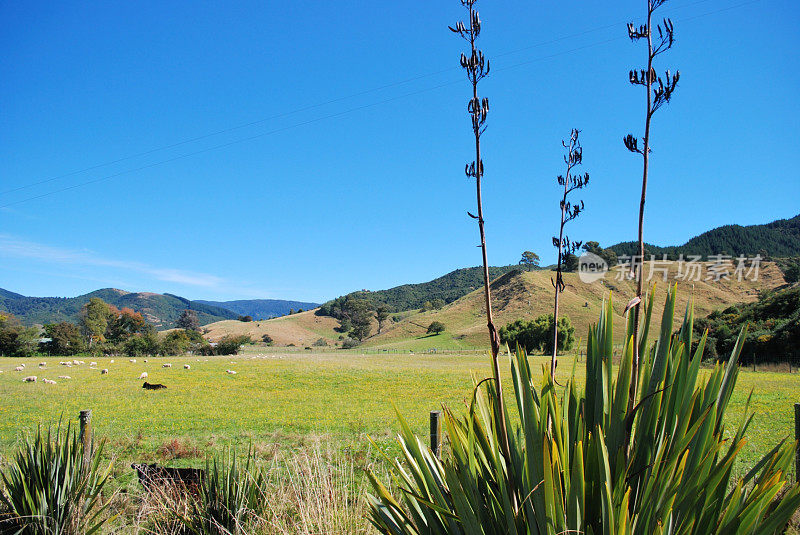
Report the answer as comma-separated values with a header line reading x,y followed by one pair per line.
x,y
584,461
320,342
230,345
267,339
537,335
49,490
350,343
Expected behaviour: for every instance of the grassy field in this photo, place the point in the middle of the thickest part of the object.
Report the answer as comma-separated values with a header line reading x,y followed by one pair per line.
x,y
282,401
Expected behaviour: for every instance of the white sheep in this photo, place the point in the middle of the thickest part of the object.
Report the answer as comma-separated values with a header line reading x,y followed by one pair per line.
x,y
48,381
22,365
42,364
64,377
111,361
104,371
30,379
186,367
143,375
132,360
19,369
167,365
92,364
231,372
145,360
76,362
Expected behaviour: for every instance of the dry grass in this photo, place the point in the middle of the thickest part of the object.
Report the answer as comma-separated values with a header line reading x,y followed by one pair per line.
x,y
309,491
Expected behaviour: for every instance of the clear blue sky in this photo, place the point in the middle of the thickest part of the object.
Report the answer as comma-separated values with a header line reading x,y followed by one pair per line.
x,y
317,198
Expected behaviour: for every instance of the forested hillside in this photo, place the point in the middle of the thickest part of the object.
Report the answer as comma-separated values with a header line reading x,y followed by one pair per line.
x,y
161,310
446,288
261,308
779,238
773,327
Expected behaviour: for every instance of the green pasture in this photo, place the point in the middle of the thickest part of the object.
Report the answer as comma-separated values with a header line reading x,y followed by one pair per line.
x,y
279,400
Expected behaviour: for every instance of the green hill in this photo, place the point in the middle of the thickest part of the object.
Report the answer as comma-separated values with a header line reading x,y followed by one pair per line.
x,y
780,238
162,310
448,288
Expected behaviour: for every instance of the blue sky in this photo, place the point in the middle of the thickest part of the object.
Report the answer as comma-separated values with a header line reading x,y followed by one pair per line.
x,y
302,150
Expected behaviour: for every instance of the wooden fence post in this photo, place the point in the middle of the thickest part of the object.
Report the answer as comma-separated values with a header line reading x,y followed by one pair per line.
x,y
797,438
85,436
436,433
754,362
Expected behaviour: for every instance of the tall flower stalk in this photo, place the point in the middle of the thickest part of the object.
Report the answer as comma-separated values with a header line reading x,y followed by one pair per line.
x,y
658,92
477,68
569,211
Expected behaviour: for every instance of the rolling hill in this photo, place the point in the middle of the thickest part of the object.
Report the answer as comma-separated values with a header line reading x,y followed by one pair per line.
x,y
162,310
516,294
261,308
780,238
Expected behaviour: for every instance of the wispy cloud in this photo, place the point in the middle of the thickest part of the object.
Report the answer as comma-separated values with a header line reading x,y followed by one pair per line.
x,y
15,247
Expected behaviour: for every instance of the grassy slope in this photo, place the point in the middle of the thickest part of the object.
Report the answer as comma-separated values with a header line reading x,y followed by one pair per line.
x,y
299,329
515,295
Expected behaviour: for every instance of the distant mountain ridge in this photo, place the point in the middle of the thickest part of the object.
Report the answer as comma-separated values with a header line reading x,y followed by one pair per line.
x,y
162,310
780,238
261,308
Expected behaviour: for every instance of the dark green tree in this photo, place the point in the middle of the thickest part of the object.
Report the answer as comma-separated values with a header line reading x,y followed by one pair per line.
x,y
65,339
529,259
188,320
381,315
435,327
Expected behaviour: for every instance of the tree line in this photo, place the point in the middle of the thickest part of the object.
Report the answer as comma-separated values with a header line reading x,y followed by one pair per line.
x,y
104,329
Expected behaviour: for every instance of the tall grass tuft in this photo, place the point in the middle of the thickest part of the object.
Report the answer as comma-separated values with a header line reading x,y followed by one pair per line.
x,y
48,490
578,475
230,497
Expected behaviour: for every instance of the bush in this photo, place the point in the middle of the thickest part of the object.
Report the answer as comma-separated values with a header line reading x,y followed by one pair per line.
x,y
350,343
267,339
537,335
230,344
585,460
320,342
49,490
435,327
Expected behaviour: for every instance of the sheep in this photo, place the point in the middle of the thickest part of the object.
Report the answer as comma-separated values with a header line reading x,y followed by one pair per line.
x,y
157,386
64,377
48,381
167,365
42,364
143,375
92,364
111,361
186,367
22,365
104,371
76,362
19,369
231,372
145,361
30,379
132,360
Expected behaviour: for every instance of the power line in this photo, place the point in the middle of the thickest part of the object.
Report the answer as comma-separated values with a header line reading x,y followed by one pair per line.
x,y
329,116
317,105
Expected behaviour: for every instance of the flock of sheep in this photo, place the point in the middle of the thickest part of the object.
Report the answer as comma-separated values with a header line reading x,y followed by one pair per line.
x,y
92,366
